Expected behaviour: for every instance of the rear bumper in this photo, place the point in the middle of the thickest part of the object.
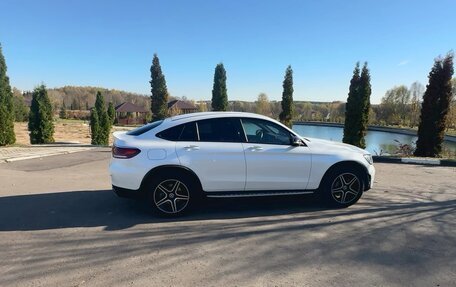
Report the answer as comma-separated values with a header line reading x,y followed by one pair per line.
x,y
126,174
127,193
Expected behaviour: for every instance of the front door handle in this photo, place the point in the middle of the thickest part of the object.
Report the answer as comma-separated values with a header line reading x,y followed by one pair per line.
x,y
255,148
192,147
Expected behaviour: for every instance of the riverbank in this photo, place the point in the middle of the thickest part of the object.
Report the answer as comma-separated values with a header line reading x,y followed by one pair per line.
x,y
403,131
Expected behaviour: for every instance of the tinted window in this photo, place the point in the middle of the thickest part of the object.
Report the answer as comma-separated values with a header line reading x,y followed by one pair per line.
x,y
220,130
184,132
171,134
144,129
189,133
265,132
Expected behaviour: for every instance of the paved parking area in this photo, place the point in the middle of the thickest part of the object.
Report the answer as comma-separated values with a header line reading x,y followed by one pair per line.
x,y
60,225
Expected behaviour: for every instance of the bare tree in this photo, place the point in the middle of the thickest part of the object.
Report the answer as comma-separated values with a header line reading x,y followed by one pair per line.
x,y
395,105
263,106
416,92
452,112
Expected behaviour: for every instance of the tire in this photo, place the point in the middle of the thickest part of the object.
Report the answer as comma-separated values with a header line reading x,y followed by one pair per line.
x,y
172,195
343,187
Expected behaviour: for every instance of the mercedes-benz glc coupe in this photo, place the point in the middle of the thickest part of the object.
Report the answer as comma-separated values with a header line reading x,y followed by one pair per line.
x,y
176,162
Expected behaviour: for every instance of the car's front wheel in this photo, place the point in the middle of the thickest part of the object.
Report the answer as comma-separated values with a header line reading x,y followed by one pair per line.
x,y
171,195
343,188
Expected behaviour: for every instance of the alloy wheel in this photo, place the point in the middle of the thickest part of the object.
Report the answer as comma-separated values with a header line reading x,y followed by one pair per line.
x,y
345,188
171,196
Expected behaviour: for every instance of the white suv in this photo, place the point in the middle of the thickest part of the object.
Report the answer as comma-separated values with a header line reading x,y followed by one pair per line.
x,y
177,161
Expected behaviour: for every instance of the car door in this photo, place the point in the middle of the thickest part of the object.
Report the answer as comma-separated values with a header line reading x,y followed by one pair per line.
x,y
272,162
216,155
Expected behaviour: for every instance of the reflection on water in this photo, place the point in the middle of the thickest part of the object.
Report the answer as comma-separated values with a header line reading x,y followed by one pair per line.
x,y
376,142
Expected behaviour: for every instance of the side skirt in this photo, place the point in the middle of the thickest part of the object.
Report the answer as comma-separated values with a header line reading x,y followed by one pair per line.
x,y
249,193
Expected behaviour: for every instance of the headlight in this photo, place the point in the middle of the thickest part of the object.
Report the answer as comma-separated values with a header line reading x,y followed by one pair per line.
x,y
368,158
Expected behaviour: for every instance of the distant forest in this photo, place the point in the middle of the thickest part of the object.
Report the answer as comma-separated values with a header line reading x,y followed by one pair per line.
x,y
400,106
83,98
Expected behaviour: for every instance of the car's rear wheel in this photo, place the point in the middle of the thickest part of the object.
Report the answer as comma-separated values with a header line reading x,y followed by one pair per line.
x,y
172,195
343,187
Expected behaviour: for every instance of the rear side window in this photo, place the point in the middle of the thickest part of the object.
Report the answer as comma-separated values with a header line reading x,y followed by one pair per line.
x,y
220,130
184,132
144,129
189,133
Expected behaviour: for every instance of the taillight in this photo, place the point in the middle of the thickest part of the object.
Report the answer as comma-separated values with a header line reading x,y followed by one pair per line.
x,y
124,152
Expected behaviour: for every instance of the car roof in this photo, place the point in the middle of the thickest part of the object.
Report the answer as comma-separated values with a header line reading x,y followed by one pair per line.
x,y
211,115
182,119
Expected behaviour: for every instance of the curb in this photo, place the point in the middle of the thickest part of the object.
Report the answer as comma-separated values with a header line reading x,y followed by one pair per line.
x,y
14,159
411,160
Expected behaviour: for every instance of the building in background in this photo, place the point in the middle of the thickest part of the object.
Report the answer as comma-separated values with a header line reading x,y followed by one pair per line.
x,y
130,114
178,107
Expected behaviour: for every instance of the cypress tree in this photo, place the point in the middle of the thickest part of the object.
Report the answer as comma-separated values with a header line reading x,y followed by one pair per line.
x,y
435,108
94,126
159,98
357,107
365,91
111,113
63,111
100,115
7,114
219,91
286,115
40,123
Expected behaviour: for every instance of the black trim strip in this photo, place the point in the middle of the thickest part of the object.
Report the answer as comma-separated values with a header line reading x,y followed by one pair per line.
x,y
254,193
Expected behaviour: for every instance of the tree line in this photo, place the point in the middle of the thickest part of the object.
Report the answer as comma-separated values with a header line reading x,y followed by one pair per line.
x,y
400,104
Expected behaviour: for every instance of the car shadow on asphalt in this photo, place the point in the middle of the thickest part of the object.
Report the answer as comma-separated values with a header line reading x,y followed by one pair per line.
x,y
102,208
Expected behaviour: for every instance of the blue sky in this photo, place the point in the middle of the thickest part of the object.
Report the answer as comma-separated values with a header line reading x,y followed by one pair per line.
x,y
111,44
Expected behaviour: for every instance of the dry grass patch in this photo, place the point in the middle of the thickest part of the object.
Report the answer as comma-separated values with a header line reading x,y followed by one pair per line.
x,y
65,131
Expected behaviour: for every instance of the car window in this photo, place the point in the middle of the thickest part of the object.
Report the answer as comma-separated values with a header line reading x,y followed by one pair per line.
x,y
265,132
220,130
144,129
184,132
189,133
171,134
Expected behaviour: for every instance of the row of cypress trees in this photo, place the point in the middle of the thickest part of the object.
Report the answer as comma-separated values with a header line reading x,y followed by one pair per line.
x,y
434,111
41,122
434,108
357,107
159,97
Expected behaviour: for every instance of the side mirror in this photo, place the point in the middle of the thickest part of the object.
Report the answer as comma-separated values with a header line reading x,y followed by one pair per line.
x,y
296,141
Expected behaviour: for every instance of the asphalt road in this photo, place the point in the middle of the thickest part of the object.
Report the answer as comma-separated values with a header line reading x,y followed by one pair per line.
x,y
60,225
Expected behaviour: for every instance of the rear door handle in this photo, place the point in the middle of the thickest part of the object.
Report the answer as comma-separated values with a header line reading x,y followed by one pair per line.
x,y
255,148
192,147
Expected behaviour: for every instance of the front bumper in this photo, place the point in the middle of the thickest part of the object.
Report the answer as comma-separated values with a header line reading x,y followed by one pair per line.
x,y
370,177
